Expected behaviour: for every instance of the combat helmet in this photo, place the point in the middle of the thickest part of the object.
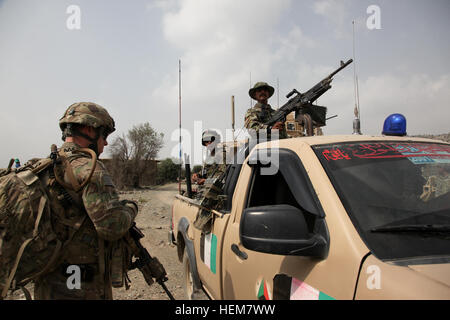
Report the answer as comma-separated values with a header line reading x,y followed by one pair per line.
x,y
87,114
260,85
210,136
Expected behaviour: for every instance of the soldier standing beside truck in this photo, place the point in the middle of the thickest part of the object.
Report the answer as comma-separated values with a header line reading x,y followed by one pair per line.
x,y
62,223
104,219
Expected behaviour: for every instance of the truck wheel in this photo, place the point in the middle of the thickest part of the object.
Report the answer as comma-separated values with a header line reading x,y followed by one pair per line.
x,y
188,281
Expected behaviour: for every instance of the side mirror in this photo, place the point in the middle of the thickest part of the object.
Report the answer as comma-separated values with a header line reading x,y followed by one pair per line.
x,y
280,229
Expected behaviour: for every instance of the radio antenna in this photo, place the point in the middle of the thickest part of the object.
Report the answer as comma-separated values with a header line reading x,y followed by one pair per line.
x,y
250,87
179,124
278,93
357,120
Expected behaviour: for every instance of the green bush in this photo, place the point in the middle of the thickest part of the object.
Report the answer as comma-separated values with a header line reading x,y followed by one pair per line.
x,y
167,171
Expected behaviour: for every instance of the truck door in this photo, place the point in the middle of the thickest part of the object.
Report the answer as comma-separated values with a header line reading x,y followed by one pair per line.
x,y
209,259
249,274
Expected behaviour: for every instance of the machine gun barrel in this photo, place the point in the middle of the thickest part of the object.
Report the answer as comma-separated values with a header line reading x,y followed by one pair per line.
x,y
301,101
343,65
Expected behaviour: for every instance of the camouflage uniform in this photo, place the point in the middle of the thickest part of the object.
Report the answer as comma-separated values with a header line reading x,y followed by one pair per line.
x,y
208,195
212,172
256,117
106,219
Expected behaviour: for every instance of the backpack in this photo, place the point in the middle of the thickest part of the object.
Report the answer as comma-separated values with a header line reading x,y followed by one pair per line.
x,y
29,247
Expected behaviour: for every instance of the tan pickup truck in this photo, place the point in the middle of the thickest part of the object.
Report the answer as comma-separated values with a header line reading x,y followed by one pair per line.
x,y
325,217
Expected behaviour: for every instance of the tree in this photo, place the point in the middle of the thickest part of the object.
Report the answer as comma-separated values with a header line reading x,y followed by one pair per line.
x,y
168,171
145,142
131,154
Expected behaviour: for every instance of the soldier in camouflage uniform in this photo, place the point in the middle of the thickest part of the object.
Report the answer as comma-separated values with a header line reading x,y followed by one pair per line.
x,y
215,161
104,218
262,111
214,174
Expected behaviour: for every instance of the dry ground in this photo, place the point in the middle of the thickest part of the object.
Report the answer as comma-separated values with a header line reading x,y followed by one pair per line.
x,y
154,219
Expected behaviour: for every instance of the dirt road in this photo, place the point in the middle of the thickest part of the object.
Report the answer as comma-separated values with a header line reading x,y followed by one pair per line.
x,y
154,220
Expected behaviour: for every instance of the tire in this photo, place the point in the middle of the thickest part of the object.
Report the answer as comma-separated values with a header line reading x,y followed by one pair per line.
x,y
190,291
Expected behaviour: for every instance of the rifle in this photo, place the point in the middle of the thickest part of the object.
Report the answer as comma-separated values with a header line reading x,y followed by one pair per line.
x,y
149,266
302,102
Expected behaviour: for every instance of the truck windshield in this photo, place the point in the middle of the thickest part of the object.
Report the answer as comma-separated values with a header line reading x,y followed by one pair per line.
x,y
397,195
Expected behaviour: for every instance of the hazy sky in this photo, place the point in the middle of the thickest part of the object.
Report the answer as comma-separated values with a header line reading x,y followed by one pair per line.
x,y
125,56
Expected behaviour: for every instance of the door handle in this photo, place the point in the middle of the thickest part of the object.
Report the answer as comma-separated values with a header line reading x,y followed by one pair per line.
x,y
238,252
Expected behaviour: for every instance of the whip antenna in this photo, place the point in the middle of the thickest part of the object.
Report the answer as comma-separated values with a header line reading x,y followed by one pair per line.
x,y
356,121
179,116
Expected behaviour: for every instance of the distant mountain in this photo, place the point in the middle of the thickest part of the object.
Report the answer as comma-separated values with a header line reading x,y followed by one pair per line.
x,y
444,136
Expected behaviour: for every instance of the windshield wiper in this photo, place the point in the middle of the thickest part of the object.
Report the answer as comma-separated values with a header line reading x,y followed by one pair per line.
x,y
432,228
